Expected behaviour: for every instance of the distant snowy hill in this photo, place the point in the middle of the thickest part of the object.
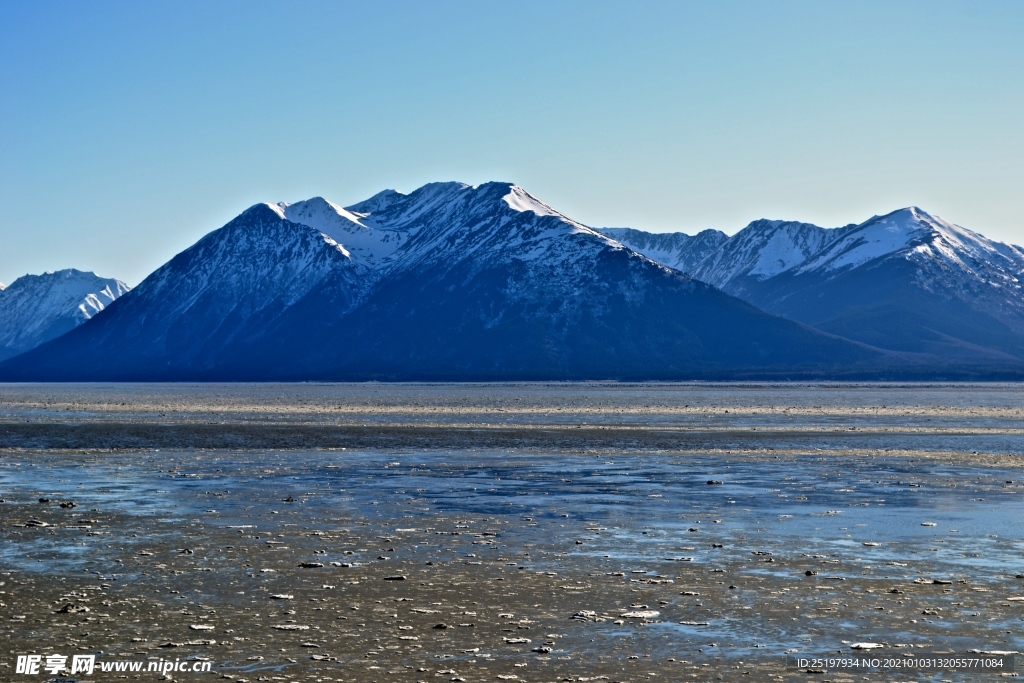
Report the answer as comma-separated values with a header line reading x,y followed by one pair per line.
x,y
447,282
906,281
675,249
37,308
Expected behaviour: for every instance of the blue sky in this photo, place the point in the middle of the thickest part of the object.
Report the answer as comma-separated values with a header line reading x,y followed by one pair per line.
x,y
128,130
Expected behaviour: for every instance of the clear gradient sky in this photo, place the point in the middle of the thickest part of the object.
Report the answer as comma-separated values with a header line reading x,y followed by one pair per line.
x,y
130,129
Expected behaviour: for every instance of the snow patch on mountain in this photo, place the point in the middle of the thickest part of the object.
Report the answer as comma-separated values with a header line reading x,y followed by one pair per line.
x,y
325,216
364,242
521,200
377,202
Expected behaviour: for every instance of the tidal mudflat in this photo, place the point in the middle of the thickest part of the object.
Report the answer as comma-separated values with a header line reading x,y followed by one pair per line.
x,y
522,532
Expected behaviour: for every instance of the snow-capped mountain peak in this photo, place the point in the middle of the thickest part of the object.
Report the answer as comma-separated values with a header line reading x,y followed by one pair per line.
x,y
37,308
392,230
874,238
448,223
914,234
318,213
951,239
761,250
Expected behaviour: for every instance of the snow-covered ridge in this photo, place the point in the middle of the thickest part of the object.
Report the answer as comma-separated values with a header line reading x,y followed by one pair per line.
x,y
788,246
37,308
360,239
676,250
492,223
767,248
916,235
390,210
452,221
392,230
876,237
761,250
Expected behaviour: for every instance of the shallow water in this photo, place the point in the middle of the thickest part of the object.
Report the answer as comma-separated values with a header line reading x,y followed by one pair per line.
x,y
633,508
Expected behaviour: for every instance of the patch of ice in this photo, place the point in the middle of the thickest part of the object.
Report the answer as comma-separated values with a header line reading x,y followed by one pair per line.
x,y
641,614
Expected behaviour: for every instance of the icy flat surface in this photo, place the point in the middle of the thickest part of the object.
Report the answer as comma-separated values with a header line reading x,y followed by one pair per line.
x,y
810,539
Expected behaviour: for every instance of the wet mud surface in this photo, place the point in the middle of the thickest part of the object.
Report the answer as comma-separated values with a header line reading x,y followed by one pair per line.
x,y
615,538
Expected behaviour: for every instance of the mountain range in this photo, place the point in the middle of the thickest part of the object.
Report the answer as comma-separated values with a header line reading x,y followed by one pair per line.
x,y
453,282
906,281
